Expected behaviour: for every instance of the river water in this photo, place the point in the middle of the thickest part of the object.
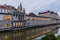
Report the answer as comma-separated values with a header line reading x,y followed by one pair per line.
x,y
56,34
17,35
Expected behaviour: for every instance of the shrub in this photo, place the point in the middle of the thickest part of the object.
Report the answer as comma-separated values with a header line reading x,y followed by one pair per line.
x,y
49,37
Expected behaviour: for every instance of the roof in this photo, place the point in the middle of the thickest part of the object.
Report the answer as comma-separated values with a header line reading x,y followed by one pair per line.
x,y
8,7
32,14
51,12
5,13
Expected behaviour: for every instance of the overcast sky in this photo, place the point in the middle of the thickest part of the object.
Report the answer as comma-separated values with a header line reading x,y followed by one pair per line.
x,y
35,5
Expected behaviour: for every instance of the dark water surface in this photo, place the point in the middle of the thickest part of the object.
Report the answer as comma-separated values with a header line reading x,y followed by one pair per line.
x,y
17,35
12,36
56,34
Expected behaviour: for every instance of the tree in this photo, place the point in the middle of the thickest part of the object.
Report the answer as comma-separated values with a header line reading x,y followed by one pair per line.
x,y
49,37
58,38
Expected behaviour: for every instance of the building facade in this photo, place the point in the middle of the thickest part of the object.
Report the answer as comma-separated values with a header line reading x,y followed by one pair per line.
x,y
19,17
48,13
41,19
6,8
5,20
11,17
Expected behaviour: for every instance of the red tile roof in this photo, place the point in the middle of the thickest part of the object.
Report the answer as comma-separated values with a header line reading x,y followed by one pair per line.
x,y
8,7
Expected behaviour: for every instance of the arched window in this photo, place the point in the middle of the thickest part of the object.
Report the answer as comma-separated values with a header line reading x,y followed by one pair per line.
x,y
33,18
6,17
6,25
27,18
37,18
1,10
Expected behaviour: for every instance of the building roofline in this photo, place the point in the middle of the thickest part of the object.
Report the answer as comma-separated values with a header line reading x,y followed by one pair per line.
x,y
5,13
51,12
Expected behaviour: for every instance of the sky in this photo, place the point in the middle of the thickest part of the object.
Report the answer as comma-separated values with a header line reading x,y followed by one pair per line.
x,y
35,5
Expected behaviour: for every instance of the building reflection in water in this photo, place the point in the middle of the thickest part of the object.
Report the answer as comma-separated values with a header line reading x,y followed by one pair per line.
x,y
12,36
24,34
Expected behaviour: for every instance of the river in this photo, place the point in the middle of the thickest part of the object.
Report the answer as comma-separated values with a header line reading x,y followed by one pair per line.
x,y
17,35
56,34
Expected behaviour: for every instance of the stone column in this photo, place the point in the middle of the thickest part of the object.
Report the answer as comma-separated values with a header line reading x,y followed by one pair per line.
x,y
12,20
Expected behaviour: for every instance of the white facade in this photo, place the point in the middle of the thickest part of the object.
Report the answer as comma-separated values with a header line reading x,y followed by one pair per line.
x,y
49,14
5,10
2,16
17,19
4,22
43,19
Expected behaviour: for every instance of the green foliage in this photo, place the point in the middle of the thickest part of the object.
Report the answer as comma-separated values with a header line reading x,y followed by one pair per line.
x,y
58,38
49,37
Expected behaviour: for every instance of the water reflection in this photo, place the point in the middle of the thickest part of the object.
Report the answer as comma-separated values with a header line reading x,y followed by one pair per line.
x,y
12,36
56,34
23,35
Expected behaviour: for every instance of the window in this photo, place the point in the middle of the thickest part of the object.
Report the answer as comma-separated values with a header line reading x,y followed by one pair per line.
x,y
33,22
14,24
37,18
6,17
28,23
36,22
8,10
42,18
47,19
4,10
17,24
21,23
27,18
6,25
33,18
1,10
23,17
